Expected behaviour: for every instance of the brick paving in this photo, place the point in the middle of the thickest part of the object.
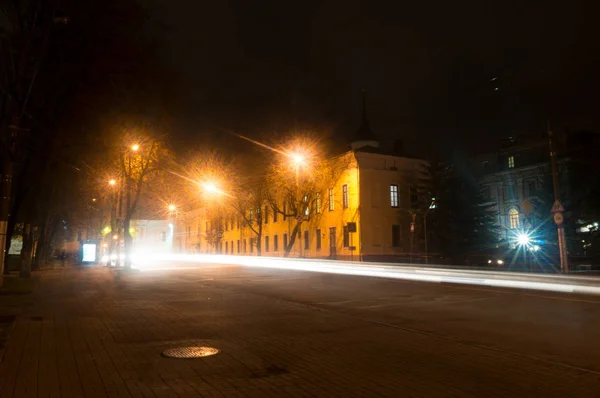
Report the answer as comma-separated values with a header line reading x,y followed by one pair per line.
x,y
93,333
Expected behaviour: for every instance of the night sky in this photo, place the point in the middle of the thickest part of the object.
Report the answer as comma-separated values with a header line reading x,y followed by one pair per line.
x,y
435,73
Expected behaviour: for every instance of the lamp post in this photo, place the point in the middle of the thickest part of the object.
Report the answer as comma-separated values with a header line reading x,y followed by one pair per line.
x,y
113,219
557,207
298,160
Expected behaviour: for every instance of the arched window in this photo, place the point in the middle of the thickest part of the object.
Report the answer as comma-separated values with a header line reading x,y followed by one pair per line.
x,y
513,218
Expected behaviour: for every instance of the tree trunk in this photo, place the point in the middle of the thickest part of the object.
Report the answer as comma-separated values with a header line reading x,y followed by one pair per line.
x,y
26,253
5,218
40,248
292,241
128,242
50,239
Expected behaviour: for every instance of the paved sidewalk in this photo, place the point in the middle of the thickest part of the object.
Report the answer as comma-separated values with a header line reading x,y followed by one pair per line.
x,y
92,333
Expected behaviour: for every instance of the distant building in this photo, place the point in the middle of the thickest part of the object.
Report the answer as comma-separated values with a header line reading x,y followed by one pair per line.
x,y
517,177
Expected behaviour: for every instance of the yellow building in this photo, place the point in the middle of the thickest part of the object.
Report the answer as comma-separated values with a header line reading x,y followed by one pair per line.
x,y
364,215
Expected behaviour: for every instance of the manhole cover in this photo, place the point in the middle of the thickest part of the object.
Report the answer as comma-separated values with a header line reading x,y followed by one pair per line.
x,y
190,352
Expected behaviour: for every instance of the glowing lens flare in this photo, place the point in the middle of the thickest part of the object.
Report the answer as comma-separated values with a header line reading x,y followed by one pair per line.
x,y
523,239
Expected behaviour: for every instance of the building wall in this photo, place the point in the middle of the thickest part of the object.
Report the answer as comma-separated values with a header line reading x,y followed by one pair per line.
x,y
367,178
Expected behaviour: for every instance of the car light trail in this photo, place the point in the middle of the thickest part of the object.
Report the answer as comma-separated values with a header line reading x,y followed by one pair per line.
x,y
552,283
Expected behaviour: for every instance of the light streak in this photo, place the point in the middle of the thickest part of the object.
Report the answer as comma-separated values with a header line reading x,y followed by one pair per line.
x,y
552,283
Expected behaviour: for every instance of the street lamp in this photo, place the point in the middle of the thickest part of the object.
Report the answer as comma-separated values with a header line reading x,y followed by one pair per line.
x,y
172,208
523,239
112,182
210,187
135,147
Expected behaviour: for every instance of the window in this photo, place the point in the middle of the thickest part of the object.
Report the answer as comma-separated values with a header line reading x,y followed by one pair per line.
x,y
226,247
266,243
245,246
237,218
275,215
345,196
394,195
284,211
163,236
276,243
509,192
395,235
511,162
266,215
414,197
513,218
305,203
318,202
346,236
331,200
251,218
252,245
306,242
285,241
532,188
318,232
238,246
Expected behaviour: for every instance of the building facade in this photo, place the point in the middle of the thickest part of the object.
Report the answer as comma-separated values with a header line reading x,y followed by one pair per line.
x,y
363,215
518,177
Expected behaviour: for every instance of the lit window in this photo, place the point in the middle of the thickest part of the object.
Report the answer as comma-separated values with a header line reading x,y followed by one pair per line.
x,y
394,195
306,209
331,200
511,162
345,196
318,202
513,218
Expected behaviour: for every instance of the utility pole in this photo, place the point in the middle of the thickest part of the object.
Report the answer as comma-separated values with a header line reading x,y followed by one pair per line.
x,y
558,208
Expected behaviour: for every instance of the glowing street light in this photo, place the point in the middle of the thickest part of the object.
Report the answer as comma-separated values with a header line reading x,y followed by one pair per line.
x,y
112,182
523,239
135,147
210,187
172,208
297,158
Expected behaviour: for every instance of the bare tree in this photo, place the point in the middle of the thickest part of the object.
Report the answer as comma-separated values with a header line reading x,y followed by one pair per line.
x,y
297,187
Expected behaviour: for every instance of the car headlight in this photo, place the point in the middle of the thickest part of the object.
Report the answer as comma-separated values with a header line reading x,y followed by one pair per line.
x,y
500,262
489,261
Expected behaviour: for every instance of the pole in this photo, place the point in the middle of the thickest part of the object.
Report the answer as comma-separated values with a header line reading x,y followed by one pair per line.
x,y
299,237
558,208
425,233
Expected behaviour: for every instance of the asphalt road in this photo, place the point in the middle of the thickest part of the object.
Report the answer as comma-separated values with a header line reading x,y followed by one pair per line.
x,y
97,332
424,339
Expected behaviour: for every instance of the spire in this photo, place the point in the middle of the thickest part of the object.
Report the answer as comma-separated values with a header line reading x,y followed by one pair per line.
x,y
364,135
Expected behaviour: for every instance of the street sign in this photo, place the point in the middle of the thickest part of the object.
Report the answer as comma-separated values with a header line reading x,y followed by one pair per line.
x,y
558,218
299,218
351,227
557,207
